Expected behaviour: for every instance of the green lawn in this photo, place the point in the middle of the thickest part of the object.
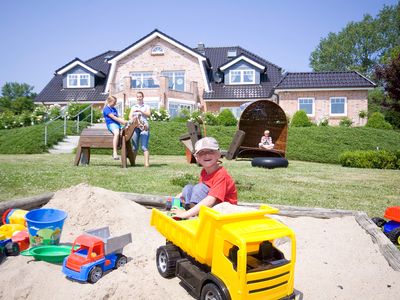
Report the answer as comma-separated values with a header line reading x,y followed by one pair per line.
x,y
301,184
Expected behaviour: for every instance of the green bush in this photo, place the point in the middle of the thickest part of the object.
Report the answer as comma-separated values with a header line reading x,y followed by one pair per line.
x,y
345,122
75,108
211,119
197,117
381,159
324,122
226,118
377,120
300,119
159,115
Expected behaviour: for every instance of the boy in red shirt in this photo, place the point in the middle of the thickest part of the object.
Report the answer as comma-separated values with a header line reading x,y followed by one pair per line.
x,y
215,184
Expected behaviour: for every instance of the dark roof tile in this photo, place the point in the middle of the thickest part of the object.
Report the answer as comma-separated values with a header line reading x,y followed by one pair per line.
x,y
54,91
342,79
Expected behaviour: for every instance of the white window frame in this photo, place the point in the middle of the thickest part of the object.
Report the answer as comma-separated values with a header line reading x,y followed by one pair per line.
x,y
157,50
180,104
241,73
78,80
173,73
345,107
142,79
313,105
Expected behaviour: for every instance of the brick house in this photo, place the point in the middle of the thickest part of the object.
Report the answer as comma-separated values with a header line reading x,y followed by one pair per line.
x,y
174,76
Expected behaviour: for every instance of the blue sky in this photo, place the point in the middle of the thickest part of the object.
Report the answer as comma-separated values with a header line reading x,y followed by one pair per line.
x,y
38,37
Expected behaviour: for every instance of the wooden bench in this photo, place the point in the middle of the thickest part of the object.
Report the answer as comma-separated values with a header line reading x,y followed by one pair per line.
x,y
103,139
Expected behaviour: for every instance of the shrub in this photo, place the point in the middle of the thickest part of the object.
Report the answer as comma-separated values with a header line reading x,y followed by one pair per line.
x,y
324,122
183,116
159,115
377,120
226,118
211,118
362,114
54,111
381,159
300,119
345,122
75,108
196,117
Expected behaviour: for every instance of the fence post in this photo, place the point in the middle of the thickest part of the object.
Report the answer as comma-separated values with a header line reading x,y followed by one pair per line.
x,y
77,124
65,125
45,135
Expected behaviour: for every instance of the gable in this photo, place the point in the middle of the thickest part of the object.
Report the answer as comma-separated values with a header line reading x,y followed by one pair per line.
x,y
78,63
242,58
154,38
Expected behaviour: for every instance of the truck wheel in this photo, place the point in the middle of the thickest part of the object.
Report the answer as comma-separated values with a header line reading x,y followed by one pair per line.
x,y
378,221
121,261
12,249
95,274
166,260
211,292
394,236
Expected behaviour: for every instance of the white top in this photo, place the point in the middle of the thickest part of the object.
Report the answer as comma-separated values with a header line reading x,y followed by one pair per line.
x,y
143,108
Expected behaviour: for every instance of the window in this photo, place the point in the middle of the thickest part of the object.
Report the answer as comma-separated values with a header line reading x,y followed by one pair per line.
x,y
175,107
142,80
236,111
176,80
307,104
78,80
338,106
242,76
157,50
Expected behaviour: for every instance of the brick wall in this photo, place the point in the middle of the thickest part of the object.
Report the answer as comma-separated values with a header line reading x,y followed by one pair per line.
x,y
356,102
174,59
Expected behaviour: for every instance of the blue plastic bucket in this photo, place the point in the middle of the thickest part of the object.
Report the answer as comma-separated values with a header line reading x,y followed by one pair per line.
x,y
45,226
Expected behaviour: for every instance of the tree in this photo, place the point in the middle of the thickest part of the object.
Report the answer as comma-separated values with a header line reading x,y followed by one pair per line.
x,y
14,90
17,97
360,45
389,74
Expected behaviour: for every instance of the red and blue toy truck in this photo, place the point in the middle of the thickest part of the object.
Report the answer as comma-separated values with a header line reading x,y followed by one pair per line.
x,y
94,253
391,228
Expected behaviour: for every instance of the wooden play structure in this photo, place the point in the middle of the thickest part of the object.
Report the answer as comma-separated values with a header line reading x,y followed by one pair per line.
x,y
102,139
254,120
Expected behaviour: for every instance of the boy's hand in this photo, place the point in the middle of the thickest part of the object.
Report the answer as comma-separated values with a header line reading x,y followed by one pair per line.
x,y
178,213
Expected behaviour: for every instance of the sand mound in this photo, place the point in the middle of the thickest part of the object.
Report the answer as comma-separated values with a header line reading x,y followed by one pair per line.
x,y
336,259
91,207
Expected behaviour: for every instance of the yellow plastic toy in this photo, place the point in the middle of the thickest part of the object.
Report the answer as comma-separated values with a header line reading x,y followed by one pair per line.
x,y
245,255
7,230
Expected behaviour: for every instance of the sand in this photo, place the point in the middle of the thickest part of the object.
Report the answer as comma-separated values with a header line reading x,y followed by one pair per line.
x,y
336,259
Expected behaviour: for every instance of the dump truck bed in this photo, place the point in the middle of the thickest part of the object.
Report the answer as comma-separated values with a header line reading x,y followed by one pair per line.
x,y
195,236
111,244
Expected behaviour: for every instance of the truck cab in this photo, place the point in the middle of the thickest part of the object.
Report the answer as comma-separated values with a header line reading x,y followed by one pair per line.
x,y
86,249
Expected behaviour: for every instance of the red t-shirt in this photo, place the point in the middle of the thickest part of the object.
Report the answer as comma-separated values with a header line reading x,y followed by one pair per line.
x,y
221,185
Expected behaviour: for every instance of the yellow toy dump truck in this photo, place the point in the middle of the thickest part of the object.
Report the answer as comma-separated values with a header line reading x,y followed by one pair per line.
x,y
244,255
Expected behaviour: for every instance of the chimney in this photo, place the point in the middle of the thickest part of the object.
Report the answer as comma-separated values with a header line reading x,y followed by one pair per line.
x,y
201,48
